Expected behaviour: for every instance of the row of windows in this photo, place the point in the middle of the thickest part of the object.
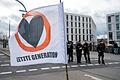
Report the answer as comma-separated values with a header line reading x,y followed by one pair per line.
x,y
78,24
111,35
78,18
117,27
116,18
79,31
79,38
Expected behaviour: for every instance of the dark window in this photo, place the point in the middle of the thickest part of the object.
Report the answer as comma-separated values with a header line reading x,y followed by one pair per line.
x,y
118,34
71,17
86,19
90,37
86,31
71,24
66,17
90,25
110,36
117,18
72,37
71,30
117,26
75,24
89,19
83,25
79,31
87,37
67,23
79,18
75,18
83,19
83,31
83,37
109,27
86,25
67,30
76,37
79,24
109,18
90,31
76,31
79,37
67,37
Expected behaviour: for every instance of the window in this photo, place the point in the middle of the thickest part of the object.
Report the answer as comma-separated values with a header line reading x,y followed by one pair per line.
x,y
71,30
83,31
66,17
76,31
83,37
72,37
71,24
109,27
75,24
89,25
83,19
79,37
67,30
79,31
67,37
83,25
90,31
89,19
118,34
71,17
87,37
67,23
109,18
76,37
86,31
79,18
79,24
90,37
86,25
86,19
110,36
75,18
117,26
117,18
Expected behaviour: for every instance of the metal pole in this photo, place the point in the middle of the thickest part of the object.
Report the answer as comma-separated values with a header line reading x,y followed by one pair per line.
x,y
66,69
25,10
9,28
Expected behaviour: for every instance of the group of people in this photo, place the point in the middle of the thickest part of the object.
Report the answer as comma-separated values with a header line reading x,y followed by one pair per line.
x,y
85,49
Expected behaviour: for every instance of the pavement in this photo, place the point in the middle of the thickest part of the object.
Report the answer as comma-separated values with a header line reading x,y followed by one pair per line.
x,y
83,71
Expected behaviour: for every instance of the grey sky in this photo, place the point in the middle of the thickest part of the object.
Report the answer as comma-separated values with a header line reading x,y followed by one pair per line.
x,y
97,9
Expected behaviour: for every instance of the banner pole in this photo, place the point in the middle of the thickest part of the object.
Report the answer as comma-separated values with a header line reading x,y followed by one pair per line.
x,y
66,69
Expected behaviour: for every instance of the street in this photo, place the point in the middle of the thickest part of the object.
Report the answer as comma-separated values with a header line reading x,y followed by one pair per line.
x,y
83,71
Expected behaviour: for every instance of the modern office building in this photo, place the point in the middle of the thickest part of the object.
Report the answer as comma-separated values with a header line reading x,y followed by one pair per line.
x,y
113,25
80,28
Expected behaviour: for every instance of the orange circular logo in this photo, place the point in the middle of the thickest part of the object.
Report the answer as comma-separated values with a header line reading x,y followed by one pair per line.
x,y
47,38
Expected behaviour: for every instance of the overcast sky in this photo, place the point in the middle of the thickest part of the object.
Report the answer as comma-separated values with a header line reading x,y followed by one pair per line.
x,y
97,9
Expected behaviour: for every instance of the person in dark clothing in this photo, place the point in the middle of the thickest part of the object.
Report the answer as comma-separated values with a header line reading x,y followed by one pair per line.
x,y
86,52
101,50
115,48
79,52
70,51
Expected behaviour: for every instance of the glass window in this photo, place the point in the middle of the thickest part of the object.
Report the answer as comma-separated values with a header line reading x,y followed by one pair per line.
x,y
109,27
87,37
89,19
67,37
76,37
79,31
67,30
89,25
110,36
79,37
117,18
71,30
72,37
86,31
90,31
75,24
67,23
71,17
83,31
117,26
79,18
86,25
86,19
76,31
83,19
79,24
75,18
66,17
118,34
90,37
71,24
83,37
109,18
83,25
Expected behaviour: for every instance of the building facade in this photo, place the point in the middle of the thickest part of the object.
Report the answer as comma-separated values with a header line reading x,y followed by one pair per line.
x,y
113,26
80,28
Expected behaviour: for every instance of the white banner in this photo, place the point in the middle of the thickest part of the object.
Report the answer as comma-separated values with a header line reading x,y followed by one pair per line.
x,y
40,37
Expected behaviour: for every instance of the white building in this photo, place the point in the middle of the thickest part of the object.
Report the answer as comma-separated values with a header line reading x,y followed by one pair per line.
x,y
113,25
80,28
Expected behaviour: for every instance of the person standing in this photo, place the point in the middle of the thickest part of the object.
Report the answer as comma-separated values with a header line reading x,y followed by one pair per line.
x,y
101,50
79,52
70,51
86,52
115,48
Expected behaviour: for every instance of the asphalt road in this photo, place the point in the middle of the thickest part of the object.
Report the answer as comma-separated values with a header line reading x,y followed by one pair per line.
x,y
93,71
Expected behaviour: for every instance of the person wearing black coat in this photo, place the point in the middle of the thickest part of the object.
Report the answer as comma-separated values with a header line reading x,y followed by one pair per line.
x,y
86,52
101,50
79,51
70,51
